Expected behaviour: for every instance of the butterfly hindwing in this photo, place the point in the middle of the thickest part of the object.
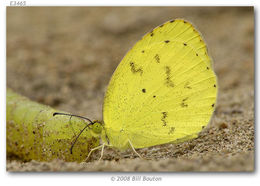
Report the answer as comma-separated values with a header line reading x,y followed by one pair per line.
x,y
163,90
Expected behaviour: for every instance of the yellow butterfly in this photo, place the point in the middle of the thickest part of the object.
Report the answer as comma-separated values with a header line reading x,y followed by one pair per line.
x,y
163,91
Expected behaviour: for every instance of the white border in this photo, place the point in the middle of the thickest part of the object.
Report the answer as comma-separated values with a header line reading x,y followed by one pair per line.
x,y
136,3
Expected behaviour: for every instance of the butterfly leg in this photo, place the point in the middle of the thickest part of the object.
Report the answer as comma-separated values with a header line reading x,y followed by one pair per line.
x,y
96,148
102,152
134,149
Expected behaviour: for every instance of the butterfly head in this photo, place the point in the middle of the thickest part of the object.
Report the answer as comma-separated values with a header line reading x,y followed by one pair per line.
x,y
97,127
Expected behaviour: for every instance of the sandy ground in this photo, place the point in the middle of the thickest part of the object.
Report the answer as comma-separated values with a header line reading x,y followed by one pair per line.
x,y
64,57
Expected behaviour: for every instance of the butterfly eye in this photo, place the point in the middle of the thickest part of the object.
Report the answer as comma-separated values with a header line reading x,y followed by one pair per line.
x,y
97,127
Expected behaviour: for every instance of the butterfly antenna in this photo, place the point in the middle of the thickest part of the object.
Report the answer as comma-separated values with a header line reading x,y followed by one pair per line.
x,y
59,113
76,139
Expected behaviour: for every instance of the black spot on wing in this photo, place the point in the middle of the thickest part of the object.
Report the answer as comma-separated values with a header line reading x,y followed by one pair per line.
x,y
142,51
157,58
163,118
184,103
185,44
187,85
213,105
167,41
168,81
144,90
135,70
171,130
154,96
215,85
